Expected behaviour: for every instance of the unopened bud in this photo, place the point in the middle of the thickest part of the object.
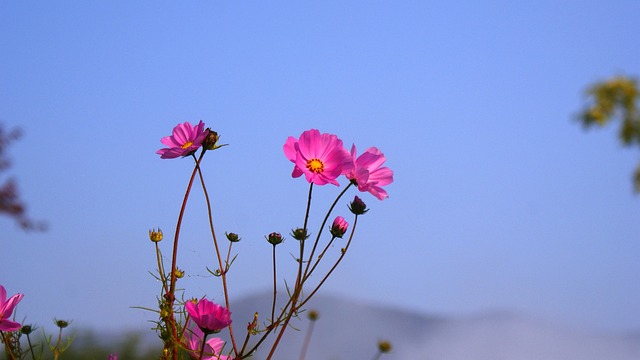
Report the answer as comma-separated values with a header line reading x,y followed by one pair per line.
x,y
26,329
155,235
313,315
339,227
233,237
299,234
274,238
384,346
211,141
358,206
179,273
61,323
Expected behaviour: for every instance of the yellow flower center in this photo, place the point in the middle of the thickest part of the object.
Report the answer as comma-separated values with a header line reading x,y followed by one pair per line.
x,y
315,165
187,144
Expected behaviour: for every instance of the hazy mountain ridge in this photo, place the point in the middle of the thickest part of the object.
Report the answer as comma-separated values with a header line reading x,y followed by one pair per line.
x,y
350,330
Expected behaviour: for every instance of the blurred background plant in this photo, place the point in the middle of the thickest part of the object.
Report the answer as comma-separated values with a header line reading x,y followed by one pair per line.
x,y
615,98
10,202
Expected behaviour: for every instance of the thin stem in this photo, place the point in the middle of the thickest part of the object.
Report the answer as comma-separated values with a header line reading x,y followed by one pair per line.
x,y
7,347
275,292
304,227
324,251
163,278
223,270
204,343
298,286
56,349
344,251
307,340
172,287
324,223
33,356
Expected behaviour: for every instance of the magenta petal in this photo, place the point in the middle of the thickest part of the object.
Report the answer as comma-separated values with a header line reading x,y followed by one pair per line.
x,y
382,176
309,143
8,325
290,148
3,295
296,172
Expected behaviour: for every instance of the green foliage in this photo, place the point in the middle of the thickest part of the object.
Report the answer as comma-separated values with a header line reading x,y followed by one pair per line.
x,y
88,345
611,99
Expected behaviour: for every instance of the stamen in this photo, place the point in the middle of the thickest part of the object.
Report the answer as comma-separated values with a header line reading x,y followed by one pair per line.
x,y
315,165
187,144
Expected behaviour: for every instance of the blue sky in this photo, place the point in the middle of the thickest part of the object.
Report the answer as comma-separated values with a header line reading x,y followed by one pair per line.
x,y
500,199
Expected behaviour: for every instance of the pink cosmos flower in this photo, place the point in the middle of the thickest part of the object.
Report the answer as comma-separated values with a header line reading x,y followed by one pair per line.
x,y
212,348
113,356
320,157
184,140
6,309
339,227
209,317
368,172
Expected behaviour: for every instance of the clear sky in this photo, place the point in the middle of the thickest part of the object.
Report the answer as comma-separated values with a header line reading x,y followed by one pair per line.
x,y
500,201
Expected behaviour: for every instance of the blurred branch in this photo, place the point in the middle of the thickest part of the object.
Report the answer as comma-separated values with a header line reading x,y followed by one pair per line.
x,y
611,99
10,203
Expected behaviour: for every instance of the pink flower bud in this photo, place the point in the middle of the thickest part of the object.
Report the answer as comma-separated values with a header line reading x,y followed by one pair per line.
x,y
339,227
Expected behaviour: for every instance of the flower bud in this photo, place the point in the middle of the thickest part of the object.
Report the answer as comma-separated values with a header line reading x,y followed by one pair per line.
x,y
274,238
211,140
26,329
384,346
61,323
155,235
233,237
179,273
313,315
339,227
358,206
299,234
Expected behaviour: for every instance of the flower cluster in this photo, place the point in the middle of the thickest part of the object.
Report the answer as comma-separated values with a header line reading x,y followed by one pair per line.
x,y
322,158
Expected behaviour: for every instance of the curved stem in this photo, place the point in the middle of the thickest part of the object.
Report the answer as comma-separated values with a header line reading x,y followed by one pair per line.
x,y
324,223
344,251
324,251
172,286
223,269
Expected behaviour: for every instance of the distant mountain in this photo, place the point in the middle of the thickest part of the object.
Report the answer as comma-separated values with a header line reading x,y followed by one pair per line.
x,y
350,330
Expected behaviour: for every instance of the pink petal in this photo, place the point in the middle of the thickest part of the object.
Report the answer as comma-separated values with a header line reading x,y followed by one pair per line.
x,y
3,295
8,325
290,148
